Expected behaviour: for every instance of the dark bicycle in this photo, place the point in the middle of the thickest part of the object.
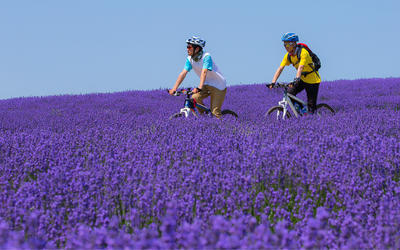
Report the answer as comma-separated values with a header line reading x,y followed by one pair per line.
x,y
297,106
190,106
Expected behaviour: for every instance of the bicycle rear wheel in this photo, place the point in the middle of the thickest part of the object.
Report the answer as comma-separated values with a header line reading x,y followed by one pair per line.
x,y
227,112
324,109
278,112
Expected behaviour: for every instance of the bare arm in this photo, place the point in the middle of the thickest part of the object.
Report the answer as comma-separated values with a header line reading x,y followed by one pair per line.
x,y
178,82
277,73
202,80
299,71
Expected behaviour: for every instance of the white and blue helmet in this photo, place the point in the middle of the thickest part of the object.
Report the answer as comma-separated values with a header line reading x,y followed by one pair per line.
x,y
290,37
195,40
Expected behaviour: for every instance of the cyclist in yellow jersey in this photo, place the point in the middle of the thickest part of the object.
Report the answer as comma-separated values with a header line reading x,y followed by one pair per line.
x,y
306,77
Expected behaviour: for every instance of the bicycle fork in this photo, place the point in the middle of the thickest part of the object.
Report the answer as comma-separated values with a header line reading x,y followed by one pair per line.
x,y
186,112
283,104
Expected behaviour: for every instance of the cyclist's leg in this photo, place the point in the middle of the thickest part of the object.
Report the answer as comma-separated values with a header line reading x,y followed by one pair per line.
x,y
312,95
217,99
200,96
297,88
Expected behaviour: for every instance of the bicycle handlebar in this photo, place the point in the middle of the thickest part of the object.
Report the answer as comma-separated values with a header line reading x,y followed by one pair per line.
x,y
280,85
187,91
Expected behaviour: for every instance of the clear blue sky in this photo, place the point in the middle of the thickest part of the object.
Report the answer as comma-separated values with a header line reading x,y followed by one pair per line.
x,y
52,47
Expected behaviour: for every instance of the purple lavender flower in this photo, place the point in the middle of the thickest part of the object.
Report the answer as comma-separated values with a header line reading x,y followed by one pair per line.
x,y
111,171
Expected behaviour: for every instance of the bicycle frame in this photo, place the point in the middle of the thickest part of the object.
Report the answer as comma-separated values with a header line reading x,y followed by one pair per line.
x,y
190,106
287,100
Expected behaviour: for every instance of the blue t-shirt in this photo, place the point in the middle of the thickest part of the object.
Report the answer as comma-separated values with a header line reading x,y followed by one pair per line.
x,y
207,63
214,76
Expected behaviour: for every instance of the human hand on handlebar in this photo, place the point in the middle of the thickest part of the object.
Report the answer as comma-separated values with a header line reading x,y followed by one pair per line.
x,y
271,85
172,91
196,90
295,82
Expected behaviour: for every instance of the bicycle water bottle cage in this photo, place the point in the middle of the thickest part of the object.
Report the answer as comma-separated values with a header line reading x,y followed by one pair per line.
x,y
297,107
300,108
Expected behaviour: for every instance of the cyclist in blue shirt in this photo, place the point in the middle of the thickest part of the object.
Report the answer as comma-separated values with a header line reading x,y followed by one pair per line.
x,y
212,82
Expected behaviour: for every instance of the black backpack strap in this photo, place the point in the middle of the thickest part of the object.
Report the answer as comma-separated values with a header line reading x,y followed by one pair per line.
x,y
288,57
306,73
298,52
309,72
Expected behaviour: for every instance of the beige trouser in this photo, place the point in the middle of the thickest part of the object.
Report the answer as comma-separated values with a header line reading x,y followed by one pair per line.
x,y
217,98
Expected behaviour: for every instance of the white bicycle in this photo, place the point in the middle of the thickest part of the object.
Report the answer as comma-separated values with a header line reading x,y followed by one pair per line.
x,y
297,106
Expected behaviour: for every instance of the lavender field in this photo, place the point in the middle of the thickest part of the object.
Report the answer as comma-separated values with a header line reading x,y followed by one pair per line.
x,y
111,171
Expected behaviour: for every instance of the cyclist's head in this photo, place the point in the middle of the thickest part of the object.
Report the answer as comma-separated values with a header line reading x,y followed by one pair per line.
x,y
290,37
289,41
195,46
195,40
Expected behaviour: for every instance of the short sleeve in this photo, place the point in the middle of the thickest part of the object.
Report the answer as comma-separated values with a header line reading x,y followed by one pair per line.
x,y
207,63
285,61
188,65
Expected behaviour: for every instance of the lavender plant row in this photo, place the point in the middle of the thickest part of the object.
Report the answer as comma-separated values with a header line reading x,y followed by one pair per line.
x,y
111,171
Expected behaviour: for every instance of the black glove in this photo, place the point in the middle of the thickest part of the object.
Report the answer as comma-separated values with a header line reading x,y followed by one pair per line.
x,y
271,85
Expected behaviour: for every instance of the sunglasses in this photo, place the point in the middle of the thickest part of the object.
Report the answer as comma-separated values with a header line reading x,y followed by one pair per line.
x,y
289,44
189,46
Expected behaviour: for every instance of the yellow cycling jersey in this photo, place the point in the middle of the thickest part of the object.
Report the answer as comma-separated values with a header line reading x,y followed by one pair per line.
x,y
306,61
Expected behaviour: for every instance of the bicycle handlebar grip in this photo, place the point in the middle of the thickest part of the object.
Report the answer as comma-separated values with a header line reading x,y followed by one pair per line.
x,y
281,85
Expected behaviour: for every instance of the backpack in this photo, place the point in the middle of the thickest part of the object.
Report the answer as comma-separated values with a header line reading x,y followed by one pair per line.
x,y
316,62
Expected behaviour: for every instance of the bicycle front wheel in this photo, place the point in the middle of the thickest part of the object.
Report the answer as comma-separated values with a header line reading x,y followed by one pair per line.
x,y
278,112
177,115
227,112
324,109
